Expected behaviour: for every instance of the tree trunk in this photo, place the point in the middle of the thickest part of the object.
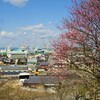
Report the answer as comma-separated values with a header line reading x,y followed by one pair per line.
x,y
94,95
60,97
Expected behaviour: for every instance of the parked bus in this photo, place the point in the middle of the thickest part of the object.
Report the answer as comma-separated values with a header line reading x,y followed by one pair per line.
x,y
24,76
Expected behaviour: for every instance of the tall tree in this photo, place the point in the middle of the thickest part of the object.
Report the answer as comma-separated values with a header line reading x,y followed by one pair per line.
x,y
79,45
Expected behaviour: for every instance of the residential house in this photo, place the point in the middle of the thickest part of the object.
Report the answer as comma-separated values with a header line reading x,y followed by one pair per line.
x,y
41,82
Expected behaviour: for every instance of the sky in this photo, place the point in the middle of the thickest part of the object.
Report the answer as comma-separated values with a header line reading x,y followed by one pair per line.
x,y
31,22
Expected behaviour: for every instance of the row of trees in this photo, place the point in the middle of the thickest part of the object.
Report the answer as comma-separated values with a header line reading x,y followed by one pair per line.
x,y
79,45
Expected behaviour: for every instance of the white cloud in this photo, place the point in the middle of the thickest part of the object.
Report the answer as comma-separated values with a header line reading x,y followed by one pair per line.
x,y
16,2
31,27
36,29
7,34
36,35
42,31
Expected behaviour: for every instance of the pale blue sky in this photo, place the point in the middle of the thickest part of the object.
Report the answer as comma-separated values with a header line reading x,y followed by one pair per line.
x,y
32,22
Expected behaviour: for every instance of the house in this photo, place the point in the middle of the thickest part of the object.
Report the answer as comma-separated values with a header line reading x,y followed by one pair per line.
x,y
41,82
61,65
31,61
43,65
12,70
2,52
17,54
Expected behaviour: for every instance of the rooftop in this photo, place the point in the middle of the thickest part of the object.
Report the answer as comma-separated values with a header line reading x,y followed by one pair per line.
x,y
42,80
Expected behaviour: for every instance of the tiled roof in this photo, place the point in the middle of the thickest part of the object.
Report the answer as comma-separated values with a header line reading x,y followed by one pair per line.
x,y
44,64
13,67
42,80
